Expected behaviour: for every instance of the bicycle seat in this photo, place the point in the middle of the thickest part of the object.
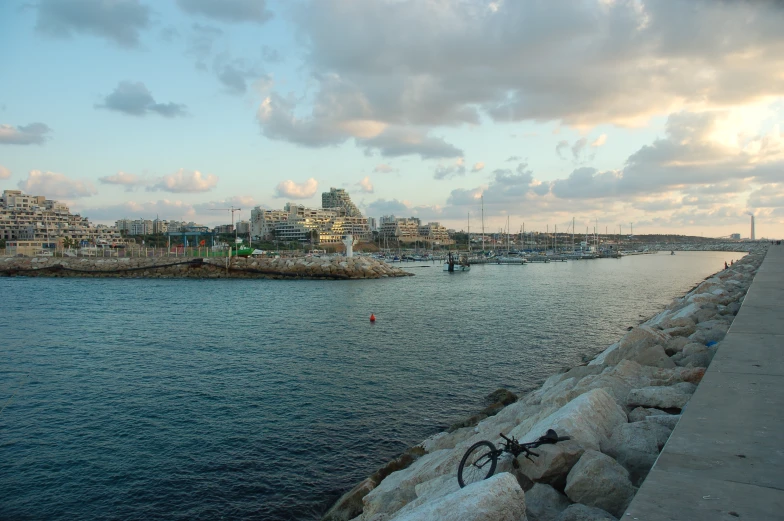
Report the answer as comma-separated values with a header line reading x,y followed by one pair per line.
x,y
550,436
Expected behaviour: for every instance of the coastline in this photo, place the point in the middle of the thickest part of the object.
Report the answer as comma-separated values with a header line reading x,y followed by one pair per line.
x,y
619,410
337,268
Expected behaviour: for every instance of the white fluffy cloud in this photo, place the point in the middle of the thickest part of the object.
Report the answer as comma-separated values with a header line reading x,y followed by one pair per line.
x,y
186,181
129,181
5,173
54,185
365,185
294,190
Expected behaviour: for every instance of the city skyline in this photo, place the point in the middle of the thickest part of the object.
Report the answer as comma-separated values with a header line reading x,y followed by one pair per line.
x,y
667,115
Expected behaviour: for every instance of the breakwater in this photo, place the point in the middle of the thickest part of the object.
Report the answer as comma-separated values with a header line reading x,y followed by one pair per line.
x,y
619,411
207,268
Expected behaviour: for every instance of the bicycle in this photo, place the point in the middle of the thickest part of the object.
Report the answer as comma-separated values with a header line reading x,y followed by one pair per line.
x,y
477,462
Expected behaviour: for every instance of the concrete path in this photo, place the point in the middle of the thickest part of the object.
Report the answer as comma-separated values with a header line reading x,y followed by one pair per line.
x,y
725,458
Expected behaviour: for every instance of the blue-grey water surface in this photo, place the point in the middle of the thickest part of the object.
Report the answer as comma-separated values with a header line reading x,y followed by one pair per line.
x,y
258,399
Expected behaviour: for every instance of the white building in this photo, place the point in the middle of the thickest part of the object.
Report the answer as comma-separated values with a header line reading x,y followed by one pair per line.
x,y
299,223
35,218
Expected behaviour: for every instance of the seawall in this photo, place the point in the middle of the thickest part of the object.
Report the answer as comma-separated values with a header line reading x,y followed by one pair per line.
x,y
336,268
619,410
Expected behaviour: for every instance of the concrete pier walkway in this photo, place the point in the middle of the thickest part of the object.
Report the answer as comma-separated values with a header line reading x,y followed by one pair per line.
x,y
725,458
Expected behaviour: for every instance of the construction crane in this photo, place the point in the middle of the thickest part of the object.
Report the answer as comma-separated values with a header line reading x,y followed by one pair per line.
x,y
233,222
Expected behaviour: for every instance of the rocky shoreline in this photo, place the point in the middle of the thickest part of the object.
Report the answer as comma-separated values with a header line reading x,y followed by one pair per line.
x,y
619,410
201,268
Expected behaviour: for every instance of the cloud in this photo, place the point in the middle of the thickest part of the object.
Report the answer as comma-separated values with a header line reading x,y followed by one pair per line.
x,y
579,149
451,171
118,21
365,185
232,11
588,183
381,207
576,63
395,142
601,140
477,167
5,173
32,134
185,181
294,190
162,209
767,196
340,113
511,159
201,39
129,181
384,168
234,73
134,99
243,202
54,185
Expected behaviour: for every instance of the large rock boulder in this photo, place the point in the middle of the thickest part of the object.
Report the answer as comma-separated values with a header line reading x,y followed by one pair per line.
x,y
597,480
398,488
578,512
553,463
636,344
671,397
544,503
588,419
499,498
349,505
635,446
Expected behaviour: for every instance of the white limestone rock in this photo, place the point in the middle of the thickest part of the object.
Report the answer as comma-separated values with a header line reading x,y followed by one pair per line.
x,y
553,463
588,419
544,503
670,397
638,344
597,480
499,498
398,489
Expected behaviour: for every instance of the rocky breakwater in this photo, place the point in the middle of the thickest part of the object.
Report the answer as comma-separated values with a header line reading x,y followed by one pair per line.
x,y
212,268
619,411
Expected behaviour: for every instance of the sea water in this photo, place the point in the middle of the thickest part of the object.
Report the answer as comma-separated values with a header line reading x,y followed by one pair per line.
x,y
262,399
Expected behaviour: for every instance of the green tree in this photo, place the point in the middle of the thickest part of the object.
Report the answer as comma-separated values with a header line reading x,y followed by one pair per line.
x,y
2,243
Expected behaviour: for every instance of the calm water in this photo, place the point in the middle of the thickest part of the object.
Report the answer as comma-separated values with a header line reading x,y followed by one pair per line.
x,y
149,399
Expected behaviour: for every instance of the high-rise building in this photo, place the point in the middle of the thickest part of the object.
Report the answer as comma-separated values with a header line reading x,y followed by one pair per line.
x,y
753,235
339,198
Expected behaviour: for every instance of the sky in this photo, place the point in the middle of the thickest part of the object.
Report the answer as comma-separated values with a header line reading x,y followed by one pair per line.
x,y
664,116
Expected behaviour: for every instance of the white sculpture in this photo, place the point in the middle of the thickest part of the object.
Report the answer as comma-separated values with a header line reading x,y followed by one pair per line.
x,y
349,242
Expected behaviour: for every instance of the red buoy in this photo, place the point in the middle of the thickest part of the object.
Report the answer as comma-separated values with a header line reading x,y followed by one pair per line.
x,y
372,317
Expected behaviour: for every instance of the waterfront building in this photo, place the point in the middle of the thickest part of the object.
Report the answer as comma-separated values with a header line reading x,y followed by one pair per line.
x,y
36,219
339,198
299,223
411,229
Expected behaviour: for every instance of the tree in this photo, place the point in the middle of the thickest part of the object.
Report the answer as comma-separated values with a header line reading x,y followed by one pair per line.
x,y
2,243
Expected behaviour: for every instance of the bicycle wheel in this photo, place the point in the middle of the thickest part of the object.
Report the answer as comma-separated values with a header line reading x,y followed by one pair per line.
x,y
478,463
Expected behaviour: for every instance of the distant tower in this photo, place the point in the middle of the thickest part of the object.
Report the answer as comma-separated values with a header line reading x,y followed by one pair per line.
x,y
339,198
753,236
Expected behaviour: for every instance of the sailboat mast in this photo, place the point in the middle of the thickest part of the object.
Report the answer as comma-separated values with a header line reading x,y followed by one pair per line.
x,y
572,234
469,232
483,224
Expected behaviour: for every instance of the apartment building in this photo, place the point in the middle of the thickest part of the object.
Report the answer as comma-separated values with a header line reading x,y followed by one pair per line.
x,y
339,198
35,218
410,229
299,223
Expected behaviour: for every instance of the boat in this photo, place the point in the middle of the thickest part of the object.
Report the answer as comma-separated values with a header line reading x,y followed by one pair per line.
x,y
453,265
